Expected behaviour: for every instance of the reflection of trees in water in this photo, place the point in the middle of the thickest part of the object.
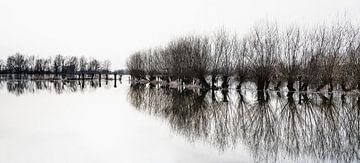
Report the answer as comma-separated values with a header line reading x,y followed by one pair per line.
x,y
1,83
19,87
324,127
261,136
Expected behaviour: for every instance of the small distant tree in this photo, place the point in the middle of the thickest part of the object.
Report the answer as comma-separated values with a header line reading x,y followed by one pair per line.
x,y
71,65
47,65
83,64
106,68
58,64
30,61
39,66
16,63
94,67
2,66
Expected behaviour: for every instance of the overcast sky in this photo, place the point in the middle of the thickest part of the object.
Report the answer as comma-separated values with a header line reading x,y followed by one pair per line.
x,y
113,29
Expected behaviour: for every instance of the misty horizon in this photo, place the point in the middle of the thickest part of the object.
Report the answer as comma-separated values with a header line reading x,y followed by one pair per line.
x,y
114,30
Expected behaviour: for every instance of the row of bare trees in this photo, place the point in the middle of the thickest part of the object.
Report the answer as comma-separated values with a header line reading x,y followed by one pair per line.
x,y
58,65
319,57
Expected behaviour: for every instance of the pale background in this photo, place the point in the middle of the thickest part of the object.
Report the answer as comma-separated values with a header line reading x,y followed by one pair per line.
x,y
112,29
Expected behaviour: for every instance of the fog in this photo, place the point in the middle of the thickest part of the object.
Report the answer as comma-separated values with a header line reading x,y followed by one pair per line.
x,y
113,30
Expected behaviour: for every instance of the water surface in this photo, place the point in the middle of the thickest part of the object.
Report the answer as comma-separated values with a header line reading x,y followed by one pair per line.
x,y
56,121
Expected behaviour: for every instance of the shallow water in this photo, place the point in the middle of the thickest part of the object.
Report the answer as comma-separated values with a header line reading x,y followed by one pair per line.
x,y
43,121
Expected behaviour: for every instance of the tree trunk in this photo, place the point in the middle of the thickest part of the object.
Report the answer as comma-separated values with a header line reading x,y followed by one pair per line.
x,y
331,87
225,95
321,86
115,80
225,82
304,87
290,86
260,84
267,83
343,86
83,84
213,96
203,82
278,85
213,81
239,85
152,78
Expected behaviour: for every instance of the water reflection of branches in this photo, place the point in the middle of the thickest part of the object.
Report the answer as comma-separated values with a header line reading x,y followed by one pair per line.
x,y
324,127
19,87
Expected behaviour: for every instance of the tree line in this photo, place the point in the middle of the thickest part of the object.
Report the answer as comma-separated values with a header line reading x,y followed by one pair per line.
x,y
58,65
320,57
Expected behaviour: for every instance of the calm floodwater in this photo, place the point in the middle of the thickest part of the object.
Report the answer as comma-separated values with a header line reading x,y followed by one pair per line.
x,y
43,121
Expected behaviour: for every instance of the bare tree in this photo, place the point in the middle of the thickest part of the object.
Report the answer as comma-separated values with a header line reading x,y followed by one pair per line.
x,y
135,65
16,63
58,64
71,65
242,68
330,47
2,66
220,55
290,57
150,66
39,66
47,65
106,68
263,54
94,67
201,55
30,61
350,69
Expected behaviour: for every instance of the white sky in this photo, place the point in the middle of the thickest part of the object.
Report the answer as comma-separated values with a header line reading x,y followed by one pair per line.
x,y
113,29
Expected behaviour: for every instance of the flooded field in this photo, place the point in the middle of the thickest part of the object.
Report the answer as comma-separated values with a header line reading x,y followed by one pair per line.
x,y
75,121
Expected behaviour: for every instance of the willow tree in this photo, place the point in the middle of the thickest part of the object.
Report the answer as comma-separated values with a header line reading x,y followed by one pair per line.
x,y
2,66
242,68
222,57
58,64
351,72
290,56
263,54
201,49
330,43
136,66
